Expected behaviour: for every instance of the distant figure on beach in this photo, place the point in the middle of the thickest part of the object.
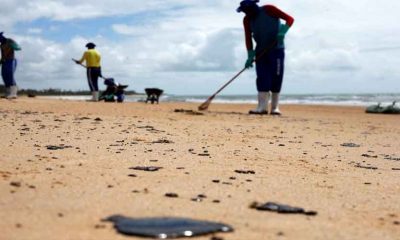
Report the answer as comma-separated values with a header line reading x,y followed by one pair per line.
x,y
153,95
92,58
113,90
9,65
263,24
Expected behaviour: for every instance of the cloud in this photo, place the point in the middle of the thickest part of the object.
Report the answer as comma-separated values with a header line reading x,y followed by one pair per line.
x,y
191,46
217,52
63,10
128,30
325,61
35,30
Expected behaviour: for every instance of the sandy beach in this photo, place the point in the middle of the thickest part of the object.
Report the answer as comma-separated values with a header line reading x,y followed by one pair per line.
x,y
66,165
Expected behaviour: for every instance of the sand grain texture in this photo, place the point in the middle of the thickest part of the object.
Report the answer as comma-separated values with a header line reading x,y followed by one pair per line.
x,y
297,159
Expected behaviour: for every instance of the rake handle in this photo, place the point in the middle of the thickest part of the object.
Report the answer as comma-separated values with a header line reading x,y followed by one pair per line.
x,y
237,75
77,62
226,84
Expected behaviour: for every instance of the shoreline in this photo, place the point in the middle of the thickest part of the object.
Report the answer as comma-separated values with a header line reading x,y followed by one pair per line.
x,y
215,107
141,98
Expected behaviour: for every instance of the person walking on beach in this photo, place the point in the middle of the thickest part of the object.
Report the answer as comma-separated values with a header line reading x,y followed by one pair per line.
x,y
92,58
9,65
263,24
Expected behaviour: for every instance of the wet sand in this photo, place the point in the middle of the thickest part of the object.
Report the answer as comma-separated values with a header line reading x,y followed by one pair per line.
x,y
66,165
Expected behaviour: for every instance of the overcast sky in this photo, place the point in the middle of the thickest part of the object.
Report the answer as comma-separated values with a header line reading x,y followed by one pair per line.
x,y
195,46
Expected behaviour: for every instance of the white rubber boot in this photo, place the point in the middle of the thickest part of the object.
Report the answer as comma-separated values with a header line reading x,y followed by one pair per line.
x,y
7,93
262,108
13,92
275,104
95,97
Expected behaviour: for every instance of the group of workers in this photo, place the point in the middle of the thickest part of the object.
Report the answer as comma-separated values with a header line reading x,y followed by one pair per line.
x,y
261,24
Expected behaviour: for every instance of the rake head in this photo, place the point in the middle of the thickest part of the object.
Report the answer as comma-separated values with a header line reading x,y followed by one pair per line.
x,y
206,104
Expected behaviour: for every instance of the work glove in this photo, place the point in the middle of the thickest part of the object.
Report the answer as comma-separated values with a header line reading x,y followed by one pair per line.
x,y
283,29
15,46
251,54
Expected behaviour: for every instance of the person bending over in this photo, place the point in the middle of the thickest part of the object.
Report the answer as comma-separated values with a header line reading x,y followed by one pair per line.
x,y
263,24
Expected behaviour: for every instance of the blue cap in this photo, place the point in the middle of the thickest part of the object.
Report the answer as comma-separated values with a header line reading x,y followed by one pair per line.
x,y
247,4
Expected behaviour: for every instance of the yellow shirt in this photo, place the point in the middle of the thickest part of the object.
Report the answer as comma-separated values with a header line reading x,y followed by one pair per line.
x,y
92,58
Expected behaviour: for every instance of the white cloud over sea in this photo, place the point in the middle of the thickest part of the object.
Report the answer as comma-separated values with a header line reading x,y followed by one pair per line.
x,y
193,47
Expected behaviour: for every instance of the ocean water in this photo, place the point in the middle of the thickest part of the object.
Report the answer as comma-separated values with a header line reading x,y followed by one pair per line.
x,y
306,99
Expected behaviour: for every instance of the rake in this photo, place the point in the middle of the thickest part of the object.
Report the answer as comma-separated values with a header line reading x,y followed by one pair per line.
x,y
86,67
207,103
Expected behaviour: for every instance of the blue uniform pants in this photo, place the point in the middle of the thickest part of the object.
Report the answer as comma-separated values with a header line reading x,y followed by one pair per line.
x,y
270,70
7,72
93,74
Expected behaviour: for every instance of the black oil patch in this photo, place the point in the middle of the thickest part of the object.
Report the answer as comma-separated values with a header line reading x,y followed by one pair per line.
x,y
366,167
146,169
53,147
245,171
351,145
164,228
189,112
281,208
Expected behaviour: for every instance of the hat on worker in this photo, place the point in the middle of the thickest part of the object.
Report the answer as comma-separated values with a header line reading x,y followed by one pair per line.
x,y
247,4
90,45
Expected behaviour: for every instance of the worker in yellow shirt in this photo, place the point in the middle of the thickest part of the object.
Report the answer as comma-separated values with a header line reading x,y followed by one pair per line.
x,y
92,58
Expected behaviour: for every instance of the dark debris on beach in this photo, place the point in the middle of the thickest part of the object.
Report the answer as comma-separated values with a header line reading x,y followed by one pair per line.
x,y
165,227
281,208
366,167
146,169
54,147
245,171
189,112
351,145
